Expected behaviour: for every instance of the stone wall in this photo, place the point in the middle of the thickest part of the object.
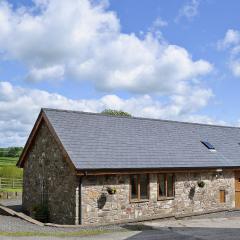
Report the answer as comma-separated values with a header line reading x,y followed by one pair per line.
x,y
48,175
100,207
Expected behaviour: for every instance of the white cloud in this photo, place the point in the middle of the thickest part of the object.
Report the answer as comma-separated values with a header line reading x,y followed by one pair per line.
x,y
20,106
159,22
189,10
235,67
232,37
79,40
231,42
40,74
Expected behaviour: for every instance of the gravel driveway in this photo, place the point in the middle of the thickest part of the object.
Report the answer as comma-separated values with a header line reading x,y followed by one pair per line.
x,y
220,226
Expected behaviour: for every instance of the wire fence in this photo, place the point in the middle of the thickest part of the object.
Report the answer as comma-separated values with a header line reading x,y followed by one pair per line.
x,y
10,183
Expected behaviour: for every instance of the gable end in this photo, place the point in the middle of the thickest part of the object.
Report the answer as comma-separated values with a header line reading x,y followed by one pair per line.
x,y
42,118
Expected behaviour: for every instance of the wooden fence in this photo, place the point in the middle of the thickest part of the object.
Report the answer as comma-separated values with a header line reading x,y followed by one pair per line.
x,y
10,183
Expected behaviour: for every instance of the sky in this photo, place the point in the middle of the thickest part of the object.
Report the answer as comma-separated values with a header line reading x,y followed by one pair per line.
x,y
176,60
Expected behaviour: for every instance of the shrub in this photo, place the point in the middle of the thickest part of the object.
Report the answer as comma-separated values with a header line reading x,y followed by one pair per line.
x,y
111,190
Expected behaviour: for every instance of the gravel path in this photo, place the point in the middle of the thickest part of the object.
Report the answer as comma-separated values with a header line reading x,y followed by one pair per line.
x,y
14,224
217,226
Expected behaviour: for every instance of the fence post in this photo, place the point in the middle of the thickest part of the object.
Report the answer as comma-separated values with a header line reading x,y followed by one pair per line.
x,y
12,183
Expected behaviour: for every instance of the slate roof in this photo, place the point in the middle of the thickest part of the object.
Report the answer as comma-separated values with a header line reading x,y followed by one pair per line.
x,y
96,141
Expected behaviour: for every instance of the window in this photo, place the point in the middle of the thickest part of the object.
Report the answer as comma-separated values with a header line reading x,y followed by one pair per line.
x,y
165,185
222,196
208,145
139,187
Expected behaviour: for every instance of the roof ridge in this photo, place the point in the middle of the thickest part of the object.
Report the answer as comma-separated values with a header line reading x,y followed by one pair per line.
x,y
139,118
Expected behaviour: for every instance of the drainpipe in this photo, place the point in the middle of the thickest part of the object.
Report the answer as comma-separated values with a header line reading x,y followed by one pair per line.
x,y
78,203
80,200
77,206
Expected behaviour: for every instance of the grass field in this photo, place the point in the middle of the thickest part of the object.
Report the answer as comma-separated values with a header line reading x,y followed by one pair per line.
x,y
8,168
8,161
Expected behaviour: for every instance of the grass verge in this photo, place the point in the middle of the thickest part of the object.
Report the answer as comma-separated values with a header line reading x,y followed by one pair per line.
x,y
11,190
59,234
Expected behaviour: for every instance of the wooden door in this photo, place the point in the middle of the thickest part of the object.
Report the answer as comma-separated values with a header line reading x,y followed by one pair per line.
x,y
237,189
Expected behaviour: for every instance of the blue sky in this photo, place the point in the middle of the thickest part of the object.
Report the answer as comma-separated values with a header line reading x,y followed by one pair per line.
x,y
162,59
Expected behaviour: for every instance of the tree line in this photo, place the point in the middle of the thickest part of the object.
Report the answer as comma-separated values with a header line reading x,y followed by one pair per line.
x,y
11,152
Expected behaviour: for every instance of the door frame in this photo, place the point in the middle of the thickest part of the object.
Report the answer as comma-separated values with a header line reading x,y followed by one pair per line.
x,y
237,188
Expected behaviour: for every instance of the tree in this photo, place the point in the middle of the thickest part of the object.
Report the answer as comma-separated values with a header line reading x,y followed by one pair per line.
x,y
12,152
116,113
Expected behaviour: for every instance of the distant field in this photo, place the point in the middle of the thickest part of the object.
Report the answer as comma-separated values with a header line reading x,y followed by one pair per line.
x,y
8,167
8,161
10,175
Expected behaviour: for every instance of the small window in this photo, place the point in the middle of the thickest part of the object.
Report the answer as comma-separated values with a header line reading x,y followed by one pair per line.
x,y
208,145
166,185
134,187
139,187
222,196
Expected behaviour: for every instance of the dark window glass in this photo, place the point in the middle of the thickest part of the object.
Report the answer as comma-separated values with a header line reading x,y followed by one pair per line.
x,y
208,145
143,186
139,186
134,186
162,189
170,185
165,185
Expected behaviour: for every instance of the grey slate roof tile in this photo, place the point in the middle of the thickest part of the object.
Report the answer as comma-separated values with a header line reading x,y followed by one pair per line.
x,y
96,141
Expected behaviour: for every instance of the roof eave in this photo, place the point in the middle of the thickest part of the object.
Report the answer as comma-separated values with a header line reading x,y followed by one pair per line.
x,y
124,171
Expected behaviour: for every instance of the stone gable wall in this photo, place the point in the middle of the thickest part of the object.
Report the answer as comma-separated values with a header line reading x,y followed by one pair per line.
x,y
45,164
100,207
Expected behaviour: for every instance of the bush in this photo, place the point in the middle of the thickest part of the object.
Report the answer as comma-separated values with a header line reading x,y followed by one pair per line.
x,y
41,213
111,190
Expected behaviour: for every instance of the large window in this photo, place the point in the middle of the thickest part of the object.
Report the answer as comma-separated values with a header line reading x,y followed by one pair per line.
x,y
165,185
139,187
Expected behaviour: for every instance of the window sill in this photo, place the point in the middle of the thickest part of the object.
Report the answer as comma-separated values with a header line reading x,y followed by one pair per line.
x,y
165,198
139,201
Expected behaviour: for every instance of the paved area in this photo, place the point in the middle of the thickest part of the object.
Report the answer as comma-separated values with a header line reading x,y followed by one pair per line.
x,y
164,234
218,226
15,204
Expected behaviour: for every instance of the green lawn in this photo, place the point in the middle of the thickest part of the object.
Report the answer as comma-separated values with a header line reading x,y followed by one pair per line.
x,y
59,234
8,161
10,190
9,170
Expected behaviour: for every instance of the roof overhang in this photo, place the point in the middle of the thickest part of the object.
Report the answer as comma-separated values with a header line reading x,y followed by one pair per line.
x,y
99,172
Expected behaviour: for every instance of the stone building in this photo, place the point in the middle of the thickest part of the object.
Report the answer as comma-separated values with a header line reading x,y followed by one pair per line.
x,y
97,169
